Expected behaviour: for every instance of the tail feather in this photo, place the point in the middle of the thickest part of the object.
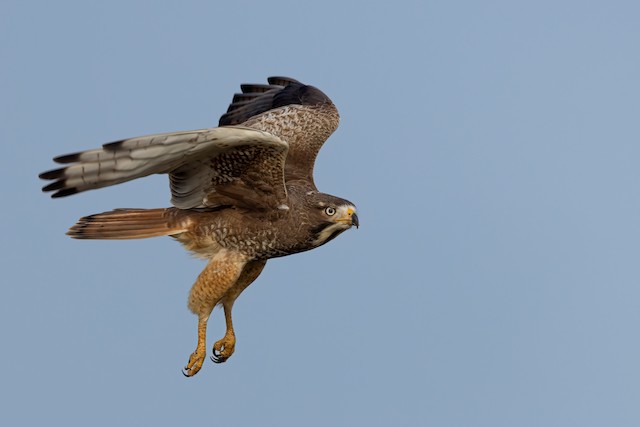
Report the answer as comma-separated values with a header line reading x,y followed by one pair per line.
x,y
128,224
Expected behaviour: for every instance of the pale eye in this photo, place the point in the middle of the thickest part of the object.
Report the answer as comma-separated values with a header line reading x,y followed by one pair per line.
x,y
330,211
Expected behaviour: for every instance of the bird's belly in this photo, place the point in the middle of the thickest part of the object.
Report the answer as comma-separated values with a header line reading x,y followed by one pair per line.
x,y
201,245
257,245
254,243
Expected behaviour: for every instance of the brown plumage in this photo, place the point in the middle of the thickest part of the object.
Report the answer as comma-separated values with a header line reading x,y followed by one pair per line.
x,y
242,193
122,224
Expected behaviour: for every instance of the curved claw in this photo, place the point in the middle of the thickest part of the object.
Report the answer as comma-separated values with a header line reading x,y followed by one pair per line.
x,y
217,358
195,363
223,349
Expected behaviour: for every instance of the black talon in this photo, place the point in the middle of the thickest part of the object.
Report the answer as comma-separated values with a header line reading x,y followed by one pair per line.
x,y
218,359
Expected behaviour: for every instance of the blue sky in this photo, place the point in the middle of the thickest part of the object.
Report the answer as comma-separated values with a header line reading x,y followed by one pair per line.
x,y
491,147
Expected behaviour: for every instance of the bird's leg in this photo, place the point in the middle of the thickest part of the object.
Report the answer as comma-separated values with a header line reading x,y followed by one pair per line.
x,y
220,275
224,348
197,357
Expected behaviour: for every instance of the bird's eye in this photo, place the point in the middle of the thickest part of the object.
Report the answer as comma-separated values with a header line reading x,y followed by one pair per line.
x,y
330,211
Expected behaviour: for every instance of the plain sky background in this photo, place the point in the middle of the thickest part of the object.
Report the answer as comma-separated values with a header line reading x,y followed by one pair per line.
x,y
492,149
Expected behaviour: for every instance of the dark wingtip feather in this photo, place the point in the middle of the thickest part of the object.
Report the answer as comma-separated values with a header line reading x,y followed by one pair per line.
x,y
54,186
113,145
258,98
67,158
52,174
281,81
298,93
255,88
64,192
240,97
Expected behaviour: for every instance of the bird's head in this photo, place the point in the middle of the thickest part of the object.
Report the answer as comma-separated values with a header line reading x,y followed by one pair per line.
x,y
330,216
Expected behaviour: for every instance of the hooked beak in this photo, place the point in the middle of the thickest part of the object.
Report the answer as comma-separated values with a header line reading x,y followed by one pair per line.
x,y
350,218
354,220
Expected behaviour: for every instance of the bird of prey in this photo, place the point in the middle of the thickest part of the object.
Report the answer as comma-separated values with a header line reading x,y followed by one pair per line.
x,y
242,193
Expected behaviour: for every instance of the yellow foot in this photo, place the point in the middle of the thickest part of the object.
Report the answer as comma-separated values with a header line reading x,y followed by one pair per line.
x,y
195,363
223,349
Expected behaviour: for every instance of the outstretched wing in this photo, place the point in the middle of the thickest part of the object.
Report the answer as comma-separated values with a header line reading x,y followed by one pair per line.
x,y
270,133
299,114
209,167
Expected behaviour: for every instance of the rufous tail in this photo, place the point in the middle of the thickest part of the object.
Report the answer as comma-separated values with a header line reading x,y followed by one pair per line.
x,y
128,224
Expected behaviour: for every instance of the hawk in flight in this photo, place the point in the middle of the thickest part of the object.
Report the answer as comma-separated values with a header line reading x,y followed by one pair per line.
x,y
242,193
